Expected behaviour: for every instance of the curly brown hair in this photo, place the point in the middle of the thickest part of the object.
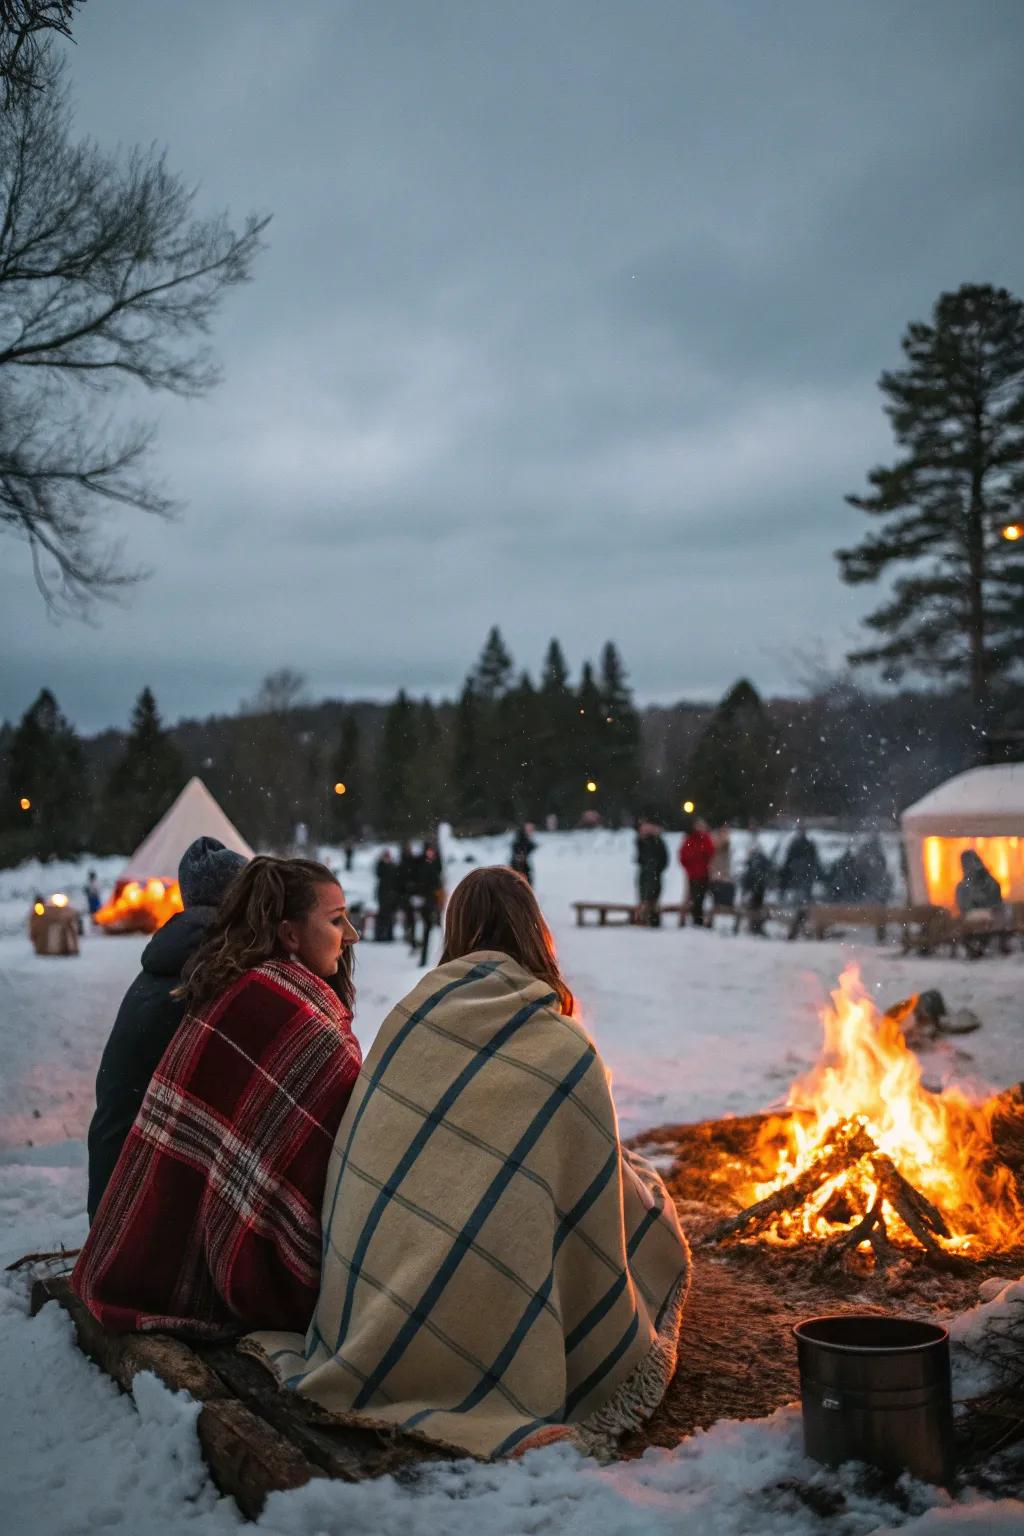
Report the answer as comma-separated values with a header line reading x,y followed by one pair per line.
x,y
264,894
495,908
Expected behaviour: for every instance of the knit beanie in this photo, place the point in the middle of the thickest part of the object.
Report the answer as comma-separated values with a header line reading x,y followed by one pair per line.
x,y
206,870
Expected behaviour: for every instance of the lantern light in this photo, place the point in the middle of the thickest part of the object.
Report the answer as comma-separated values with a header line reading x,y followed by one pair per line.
x,y
59,900
38,909
1012,532
688,807
340,789
591,787
25,803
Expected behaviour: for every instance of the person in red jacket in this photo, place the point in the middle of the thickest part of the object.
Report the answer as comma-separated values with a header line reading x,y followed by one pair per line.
x,y
695,855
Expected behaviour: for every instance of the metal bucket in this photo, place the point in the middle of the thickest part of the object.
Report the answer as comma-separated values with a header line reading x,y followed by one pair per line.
x,y
877,1389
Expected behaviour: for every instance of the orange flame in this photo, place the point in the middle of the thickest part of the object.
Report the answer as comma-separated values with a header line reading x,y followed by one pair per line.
x,y
138,907
940,1142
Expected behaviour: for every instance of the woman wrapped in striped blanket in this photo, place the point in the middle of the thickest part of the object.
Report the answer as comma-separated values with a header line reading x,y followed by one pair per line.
x,y
497,1270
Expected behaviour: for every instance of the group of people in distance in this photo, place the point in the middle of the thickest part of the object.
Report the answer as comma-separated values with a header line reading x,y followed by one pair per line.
x,y
706,861
410,887
859,873
447,1236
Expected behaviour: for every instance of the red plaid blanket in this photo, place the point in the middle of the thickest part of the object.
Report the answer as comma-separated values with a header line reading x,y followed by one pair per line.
x,y
211,1221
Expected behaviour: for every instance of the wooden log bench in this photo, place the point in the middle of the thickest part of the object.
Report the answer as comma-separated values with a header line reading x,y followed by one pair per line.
x,y
256,1437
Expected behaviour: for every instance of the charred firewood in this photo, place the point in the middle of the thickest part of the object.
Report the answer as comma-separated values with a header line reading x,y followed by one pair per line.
x,y
848,1145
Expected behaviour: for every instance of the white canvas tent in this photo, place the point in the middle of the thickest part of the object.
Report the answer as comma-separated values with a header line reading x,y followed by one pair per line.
x,y
194,814
982,809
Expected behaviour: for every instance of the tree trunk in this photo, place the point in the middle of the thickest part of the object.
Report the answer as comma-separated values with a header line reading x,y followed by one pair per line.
x,y
976,569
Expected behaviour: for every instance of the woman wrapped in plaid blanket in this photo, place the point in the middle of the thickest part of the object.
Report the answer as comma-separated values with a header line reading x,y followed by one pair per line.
x,y
497,1270
210,1223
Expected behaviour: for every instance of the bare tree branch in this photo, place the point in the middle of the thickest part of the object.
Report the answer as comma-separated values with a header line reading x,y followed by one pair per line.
x,y
107,278
21,24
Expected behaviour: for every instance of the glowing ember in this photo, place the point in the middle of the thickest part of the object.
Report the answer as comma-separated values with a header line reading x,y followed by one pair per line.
x,y
138,907
940,1142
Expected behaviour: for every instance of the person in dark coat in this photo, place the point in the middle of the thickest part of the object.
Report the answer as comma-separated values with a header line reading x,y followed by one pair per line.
x,y
522,847
149,1015
651,863
428,892
93,899
388,885
757,872
875,879
978,895
408,866
801,868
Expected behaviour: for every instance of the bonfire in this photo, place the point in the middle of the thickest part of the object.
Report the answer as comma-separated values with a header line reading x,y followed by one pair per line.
x,y
140,906
867,1158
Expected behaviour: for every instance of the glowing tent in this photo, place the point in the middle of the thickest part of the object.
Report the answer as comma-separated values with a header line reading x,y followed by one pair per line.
x,y
146,893
982,809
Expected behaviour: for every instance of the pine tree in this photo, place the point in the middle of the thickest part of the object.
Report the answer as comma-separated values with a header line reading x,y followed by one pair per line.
x,y
732,774
429,772
517,730
620,765
396,809
556,789
45,768
143,782
589,741
346,789
957,412
468,793
492,674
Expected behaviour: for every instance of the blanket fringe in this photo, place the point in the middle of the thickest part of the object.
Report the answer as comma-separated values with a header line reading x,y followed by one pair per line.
x,y
632,1404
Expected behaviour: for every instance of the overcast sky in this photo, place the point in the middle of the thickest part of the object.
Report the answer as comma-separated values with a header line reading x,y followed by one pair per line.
x,y
570,321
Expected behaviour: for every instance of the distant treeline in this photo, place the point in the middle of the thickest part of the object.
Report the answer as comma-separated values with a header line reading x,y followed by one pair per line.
x,y
508,749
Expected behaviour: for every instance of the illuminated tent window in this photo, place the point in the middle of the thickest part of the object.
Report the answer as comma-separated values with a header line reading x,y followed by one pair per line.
x,y
982,810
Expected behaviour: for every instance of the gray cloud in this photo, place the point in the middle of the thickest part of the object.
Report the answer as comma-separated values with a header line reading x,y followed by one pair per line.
x,y
571,321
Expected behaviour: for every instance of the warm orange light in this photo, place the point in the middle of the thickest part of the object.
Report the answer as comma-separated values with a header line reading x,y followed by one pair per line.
x,y
941,1142
25,803
1002,856
591,787
1013,531
60,900
38,909
341,789
140,907
688,807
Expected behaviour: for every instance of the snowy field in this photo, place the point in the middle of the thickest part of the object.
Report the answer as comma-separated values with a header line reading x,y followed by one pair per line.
x,y
692,1024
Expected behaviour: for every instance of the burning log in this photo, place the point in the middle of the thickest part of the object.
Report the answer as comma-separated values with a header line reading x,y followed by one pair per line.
x,y
850,1145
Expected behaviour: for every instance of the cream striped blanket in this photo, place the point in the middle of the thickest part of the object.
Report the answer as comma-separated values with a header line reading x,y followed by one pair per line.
x,y
497,1271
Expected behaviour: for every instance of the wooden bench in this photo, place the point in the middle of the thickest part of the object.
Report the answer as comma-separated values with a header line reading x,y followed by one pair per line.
x,y
621,914
820,918
926,929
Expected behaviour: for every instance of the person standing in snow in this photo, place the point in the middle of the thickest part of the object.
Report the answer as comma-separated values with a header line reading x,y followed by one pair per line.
x,y
429,891
801,868
651,863
523,846
756,875
695,855
93,899
210,1223
150,1013
386,871
723,887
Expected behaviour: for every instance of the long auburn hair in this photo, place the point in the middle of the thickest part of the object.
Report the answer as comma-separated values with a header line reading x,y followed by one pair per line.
x,y
495,908
265,893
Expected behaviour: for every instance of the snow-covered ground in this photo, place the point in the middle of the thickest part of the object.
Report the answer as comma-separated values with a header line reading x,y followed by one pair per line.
x,y
691,1023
